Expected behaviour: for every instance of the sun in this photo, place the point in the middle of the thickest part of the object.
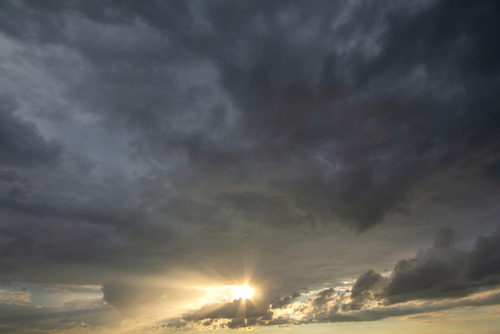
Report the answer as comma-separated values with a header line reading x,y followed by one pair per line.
x,y
243,291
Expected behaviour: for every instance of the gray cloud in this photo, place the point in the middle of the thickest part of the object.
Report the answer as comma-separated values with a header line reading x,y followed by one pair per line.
x,y
482,261
135,300
323,130
91,312
445,237
21,142
241,313
285,301
443,277
229,310
441,270
429,271
365,282
302,142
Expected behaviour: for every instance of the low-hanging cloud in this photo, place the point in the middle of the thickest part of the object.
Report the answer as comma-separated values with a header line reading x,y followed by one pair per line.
x,y
435,279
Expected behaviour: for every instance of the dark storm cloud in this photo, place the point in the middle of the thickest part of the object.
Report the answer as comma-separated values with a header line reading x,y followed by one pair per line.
x,y
442,271
145,135
434,274
349,127
365,282
295,120
337,135
58,241
366,289
445,237
431,271
20,141
483,260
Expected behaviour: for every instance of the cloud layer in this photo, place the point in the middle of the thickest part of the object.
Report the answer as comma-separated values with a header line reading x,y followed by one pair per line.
x,y
437,278
160,150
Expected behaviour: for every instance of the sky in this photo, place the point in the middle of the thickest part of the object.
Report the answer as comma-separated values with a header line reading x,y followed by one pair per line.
x,y
207,166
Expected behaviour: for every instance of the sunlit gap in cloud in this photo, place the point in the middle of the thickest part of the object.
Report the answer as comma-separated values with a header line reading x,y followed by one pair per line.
x,y
222,295
243,291
226,293
230,285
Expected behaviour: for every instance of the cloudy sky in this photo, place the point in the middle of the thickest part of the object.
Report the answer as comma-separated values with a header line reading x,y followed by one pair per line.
x,y
340,158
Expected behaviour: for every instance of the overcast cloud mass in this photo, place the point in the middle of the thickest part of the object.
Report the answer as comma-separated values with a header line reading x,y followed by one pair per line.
x,y
342,158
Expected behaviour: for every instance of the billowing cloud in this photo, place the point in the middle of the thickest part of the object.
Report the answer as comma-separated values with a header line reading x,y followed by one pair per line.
x,y
241,313
482,261
164,150
21,142
435,279
284,301
445,237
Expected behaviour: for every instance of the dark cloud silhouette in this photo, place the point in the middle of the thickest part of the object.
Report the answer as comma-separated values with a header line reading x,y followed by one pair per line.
x,y
284,301
365,282
429,271
440,271
434,274
240,312
228,310
483,260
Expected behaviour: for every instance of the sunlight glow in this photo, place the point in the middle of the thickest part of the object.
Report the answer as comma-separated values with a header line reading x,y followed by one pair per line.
x,y
243,291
